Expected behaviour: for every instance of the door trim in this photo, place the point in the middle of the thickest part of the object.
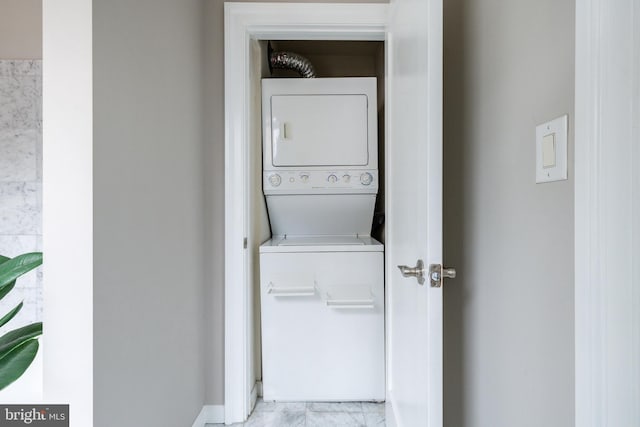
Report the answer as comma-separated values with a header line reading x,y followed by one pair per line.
x,y
243,22
607,245
67,344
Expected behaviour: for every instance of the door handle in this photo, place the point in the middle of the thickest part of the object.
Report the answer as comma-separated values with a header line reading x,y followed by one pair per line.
x,y
417,271
436,273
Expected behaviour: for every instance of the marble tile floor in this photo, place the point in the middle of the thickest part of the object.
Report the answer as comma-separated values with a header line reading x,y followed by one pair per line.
x,y
315,414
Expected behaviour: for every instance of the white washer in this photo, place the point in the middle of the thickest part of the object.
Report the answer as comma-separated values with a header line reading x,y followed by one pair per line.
x,y
322,320
321,274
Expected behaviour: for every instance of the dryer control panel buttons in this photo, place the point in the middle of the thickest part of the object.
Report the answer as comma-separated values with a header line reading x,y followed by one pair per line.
x,y
321,182
275,180
366,178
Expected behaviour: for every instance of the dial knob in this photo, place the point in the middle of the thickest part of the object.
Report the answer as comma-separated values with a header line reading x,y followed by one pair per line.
x,y
332,178
304,178
275,180
366,178
346,178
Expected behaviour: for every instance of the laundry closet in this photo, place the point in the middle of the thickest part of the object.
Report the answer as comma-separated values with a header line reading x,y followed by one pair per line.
x,y
316,220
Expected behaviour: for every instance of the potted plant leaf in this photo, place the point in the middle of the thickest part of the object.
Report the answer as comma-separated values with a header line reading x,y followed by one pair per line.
x,y
18,347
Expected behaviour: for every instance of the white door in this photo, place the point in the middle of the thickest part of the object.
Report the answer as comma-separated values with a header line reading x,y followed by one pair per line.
x,y
414,161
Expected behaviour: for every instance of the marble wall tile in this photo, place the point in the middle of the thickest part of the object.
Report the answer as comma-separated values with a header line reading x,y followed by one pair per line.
x,y
19,67
20,179
19,102
39,293
13,245
38,103
18,155
38,221
20,212
39,155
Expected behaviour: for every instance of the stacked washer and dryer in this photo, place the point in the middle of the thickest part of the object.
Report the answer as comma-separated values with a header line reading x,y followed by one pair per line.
x,y
321,273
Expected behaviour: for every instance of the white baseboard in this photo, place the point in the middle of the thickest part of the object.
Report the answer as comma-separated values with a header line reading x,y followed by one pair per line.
x,y
390,417
255,392
210,414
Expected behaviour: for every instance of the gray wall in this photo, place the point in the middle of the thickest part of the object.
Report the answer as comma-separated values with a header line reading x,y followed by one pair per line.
x,y
509,315
149,322
21,29
214,200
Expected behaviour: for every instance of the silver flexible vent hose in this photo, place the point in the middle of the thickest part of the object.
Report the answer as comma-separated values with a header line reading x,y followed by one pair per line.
x,y
292,61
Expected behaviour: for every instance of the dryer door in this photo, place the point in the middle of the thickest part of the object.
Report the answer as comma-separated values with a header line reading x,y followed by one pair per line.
x,y
319,130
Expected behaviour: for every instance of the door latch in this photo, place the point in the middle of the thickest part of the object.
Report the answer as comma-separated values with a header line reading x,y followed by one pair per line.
x,y
437,272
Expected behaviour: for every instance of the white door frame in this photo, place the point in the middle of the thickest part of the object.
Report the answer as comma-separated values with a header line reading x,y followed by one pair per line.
x,y
67,220
607,213
273,21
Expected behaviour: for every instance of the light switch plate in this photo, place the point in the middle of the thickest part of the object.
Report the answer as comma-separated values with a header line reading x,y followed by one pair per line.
x,y
551,150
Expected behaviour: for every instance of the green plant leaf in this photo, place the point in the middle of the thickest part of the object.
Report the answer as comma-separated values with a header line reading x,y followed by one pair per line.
x,y
16,337
6,289
16,361
3,259
11,269
10,315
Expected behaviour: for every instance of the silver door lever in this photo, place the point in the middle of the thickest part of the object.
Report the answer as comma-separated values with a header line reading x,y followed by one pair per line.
x,y
417,271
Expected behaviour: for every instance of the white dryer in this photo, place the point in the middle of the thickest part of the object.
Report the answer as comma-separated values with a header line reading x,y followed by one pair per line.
x,y
321,274
320,155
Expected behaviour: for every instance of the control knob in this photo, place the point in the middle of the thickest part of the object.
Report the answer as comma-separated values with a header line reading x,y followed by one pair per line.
x,y
366,178
304,177
332,179
275,180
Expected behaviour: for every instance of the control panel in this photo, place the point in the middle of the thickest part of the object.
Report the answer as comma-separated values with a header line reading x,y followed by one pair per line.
x,y
337,181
